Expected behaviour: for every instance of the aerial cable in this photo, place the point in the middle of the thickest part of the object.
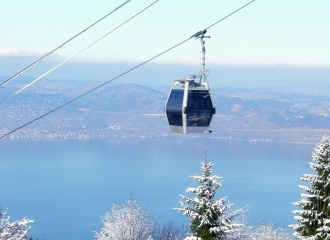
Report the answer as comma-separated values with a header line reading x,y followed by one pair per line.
x,y
45,56
137,66
93,89
230,14
26,86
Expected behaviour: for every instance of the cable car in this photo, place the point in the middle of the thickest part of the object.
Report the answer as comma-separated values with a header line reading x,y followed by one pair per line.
x,y
189,107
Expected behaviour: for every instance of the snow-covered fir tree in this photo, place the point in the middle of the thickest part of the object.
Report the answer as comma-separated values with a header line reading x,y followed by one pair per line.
x,y
209,218
17,230
314,218
129,222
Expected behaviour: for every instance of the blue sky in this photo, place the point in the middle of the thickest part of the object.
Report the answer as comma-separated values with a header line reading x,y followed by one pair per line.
x,y
264,34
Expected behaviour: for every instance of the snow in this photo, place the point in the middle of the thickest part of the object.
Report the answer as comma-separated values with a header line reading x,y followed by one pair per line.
x,y
17,230
267,232
193,238
130,222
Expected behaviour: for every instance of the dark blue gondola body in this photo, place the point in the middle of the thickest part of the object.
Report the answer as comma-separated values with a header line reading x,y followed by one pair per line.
x,y
199,110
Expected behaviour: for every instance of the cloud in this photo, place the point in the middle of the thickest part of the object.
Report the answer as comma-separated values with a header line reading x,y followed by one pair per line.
x,y
8,52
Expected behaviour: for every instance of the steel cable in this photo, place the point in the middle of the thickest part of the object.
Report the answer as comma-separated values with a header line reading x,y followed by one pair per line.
x,y
45,56
99,86
37,79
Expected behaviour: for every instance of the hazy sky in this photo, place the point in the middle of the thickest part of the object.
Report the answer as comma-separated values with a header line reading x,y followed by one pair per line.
x,y
266,33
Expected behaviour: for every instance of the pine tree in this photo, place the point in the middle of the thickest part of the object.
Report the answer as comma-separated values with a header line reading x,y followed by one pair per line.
x,y
314,217
209,219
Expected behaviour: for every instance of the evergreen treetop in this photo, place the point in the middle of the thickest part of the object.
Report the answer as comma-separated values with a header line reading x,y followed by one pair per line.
x,y
210,219
314,218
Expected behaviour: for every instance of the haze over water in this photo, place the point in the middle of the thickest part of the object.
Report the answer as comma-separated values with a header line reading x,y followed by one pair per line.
x,y
66,185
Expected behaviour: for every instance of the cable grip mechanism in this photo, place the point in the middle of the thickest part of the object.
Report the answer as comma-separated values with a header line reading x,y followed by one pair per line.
x,y
203,73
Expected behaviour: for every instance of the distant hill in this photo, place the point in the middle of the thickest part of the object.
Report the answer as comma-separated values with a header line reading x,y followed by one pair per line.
x,y
296,115
126,97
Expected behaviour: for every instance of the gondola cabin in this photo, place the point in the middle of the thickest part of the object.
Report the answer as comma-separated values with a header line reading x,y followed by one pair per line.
x,y
189,107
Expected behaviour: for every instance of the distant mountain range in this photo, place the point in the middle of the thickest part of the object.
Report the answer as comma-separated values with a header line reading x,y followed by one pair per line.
x,y
295,115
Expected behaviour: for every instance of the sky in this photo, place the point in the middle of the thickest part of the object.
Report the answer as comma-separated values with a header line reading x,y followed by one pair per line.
x,y
266,34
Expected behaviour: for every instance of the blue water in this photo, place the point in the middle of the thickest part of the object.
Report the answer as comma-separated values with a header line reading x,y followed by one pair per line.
x,y
65,186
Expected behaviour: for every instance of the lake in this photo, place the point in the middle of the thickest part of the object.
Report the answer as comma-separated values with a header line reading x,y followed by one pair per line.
x,y
66,185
